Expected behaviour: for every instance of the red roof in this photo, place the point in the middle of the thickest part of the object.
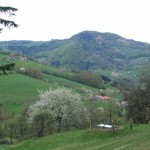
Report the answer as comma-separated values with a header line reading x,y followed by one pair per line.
x,y
104,97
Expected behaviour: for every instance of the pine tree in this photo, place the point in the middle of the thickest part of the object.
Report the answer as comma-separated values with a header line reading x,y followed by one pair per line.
x,y
10,11
7,67
7,23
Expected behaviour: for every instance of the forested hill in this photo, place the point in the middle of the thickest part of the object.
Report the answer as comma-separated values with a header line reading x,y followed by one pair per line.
x,y
87,50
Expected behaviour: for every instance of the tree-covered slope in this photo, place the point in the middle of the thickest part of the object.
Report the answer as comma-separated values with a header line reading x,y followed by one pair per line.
x,y
88,50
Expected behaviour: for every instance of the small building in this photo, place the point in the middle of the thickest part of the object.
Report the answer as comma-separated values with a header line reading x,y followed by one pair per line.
x,y
23,58
104,98
104,126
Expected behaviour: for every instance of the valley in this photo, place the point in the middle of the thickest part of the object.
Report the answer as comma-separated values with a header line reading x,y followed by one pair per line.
x,y
103,70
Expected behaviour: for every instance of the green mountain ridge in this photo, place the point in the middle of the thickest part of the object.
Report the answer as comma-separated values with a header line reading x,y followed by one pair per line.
x,y
87,50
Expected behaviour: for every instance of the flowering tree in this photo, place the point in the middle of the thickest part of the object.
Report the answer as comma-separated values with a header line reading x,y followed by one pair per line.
x,y
64,107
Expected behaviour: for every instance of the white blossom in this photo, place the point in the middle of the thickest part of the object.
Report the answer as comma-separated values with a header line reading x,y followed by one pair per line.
x,y
61,102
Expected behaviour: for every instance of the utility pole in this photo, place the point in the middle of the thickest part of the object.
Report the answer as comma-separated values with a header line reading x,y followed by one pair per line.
x,y
110,113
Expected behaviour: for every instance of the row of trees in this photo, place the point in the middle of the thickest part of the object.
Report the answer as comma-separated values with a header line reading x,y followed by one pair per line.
x,y
83,77
34,73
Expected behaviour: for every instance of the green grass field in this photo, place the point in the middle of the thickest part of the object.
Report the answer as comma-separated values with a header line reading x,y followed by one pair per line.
x,y
17,90
125,139
41,67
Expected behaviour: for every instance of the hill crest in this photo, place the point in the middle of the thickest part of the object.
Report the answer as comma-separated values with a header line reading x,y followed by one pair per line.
x,y
87,50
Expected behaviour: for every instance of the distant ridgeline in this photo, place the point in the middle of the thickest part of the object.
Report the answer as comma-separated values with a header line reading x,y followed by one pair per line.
x,y
87,50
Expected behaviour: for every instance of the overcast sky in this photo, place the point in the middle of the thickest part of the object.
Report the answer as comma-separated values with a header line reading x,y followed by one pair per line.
x,y
43,20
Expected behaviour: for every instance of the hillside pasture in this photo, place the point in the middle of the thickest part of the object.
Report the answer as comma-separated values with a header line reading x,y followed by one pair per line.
x,y
125,139
18,90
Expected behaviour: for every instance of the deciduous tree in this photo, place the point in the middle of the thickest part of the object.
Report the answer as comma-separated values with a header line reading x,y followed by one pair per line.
x,y
63,105
137,96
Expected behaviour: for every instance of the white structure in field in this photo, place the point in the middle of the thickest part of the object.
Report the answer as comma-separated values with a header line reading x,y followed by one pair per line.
x,y
104,126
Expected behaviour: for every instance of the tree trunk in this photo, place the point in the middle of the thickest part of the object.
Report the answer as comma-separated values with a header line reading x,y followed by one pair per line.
x,y
41,132
91,122
59,120
11,138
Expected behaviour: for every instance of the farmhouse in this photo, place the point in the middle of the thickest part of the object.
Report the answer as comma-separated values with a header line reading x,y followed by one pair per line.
x,y
103,98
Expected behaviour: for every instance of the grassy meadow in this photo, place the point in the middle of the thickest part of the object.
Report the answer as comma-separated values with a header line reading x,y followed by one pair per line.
x,y
124,139
17,90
